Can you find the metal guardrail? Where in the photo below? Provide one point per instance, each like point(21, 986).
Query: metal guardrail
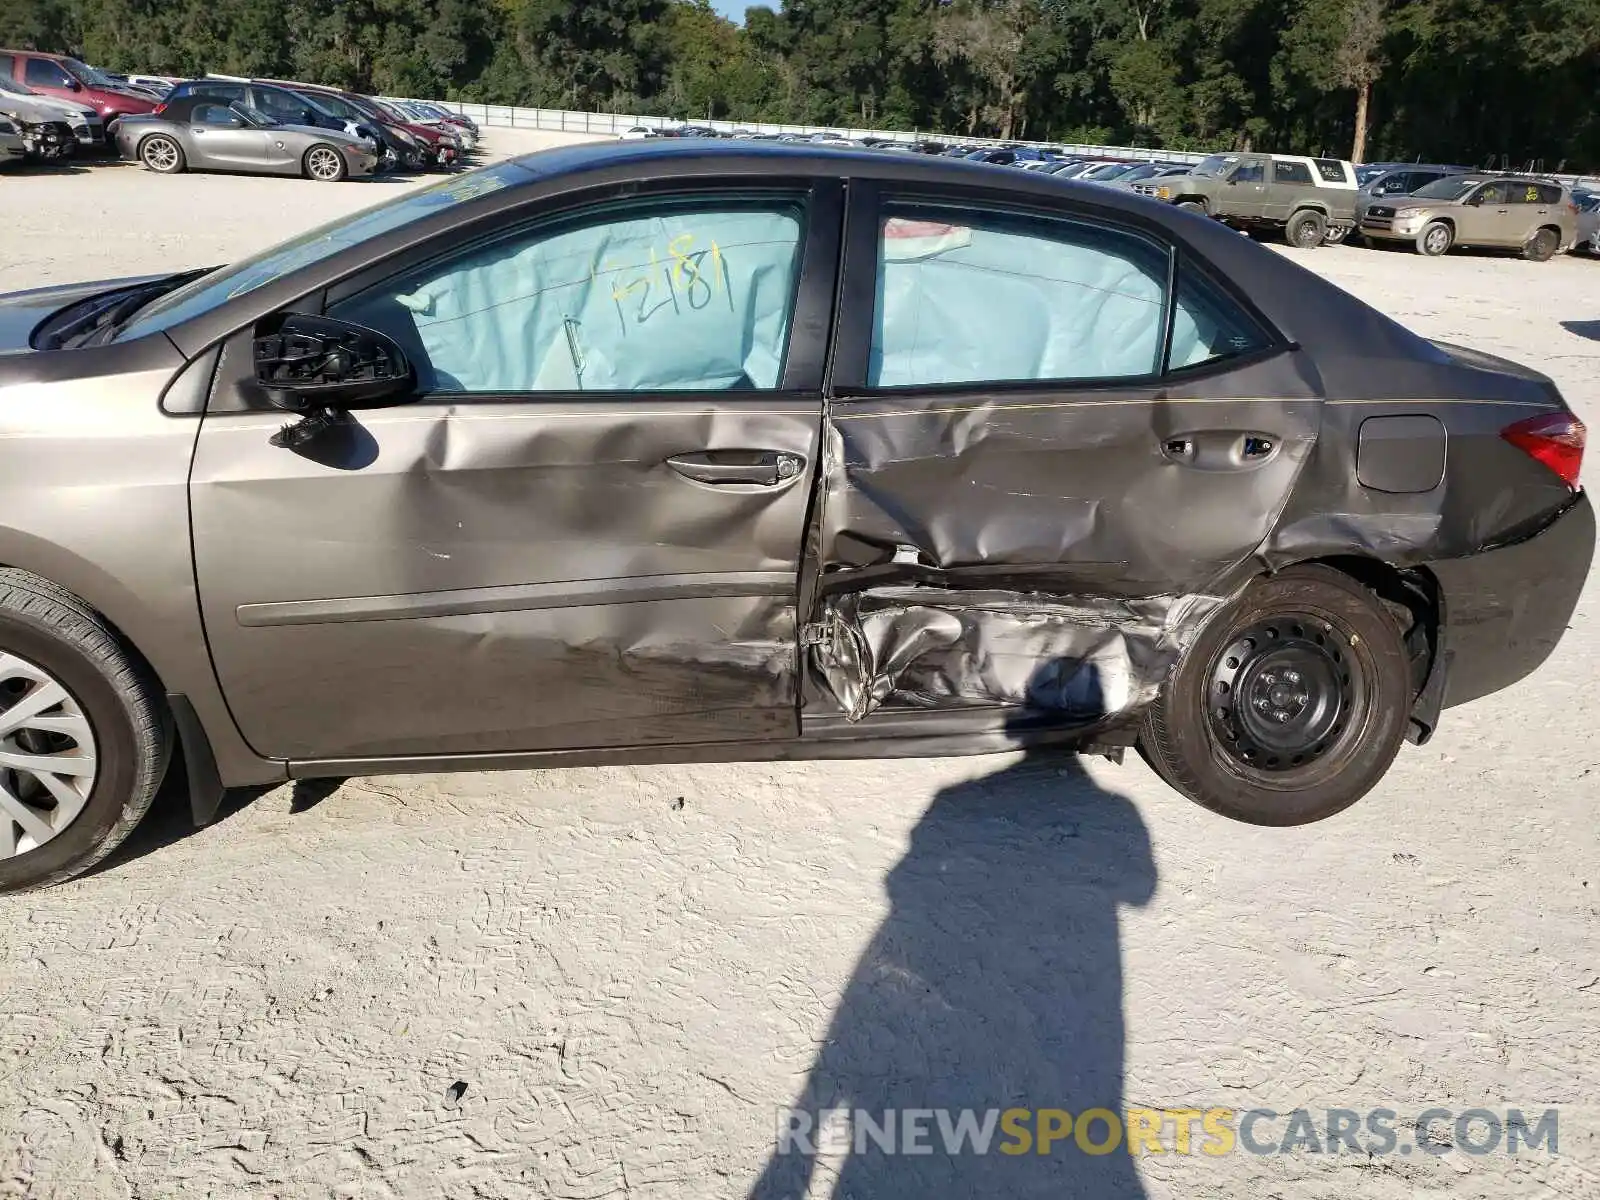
point(556, 120)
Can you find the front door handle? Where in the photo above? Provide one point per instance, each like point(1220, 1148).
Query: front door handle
point(764, 468)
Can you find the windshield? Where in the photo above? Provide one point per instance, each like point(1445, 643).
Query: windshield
point(88, 75)
point(1451, 187)
point(1216, 164)
point(252, 116)
point(1143, 171)
point(228, 283)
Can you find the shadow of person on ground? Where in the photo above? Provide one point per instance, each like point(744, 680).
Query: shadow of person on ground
point(994, 983)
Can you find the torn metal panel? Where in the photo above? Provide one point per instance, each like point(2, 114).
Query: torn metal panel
point(934, 648)
point(1045, 549)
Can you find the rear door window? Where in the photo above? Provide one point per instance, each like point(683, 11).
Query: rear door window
point(969, 297)
point(1549, 193)
point(1208, 326)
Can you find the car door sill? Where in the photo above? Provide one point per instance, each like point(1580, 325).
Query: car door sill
point(893, 735)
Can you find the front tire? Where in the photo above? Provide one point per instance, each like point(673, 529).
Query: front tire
point(1435, 239)
point(325, 164)
point(161, 154)
point(1198, 207)
point(84, 739)
point(1289, 706)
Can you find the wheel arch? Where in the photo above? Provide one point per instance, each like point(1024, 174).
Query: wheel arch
point(1414, 598)
point(134, 623)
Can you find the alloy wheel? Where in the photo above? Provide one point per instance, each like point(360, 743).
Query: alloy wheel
point(323, 163)
point(1283, 692)
point(48, 762)
point(1437, 240)
point(160, 154)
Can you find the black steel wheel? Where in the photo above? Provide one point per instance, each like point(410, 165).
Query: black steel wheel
point(1305, 229)
point(1289, 706)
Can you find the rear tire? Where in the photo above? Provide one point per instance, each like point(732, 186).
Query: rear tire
point(50, 637)
point(1435, 239)
point(1542, 246)
point(1305, 230)
point(161, 154)
point(1306, 720)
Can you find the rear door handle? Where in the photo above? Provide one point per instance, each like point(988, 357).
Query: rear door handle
point(764, 468)
point(1221, 449)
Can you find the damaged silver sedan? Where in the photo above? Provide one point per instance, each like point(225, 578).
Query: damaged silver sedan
point(667, 451)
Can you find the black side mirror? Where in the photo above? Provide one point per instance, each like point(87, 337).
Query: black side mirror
point(321, 363)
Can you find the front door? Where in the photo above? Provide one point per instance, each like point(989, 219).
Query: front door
point(222, 138)
point(1247, 190)
point(586, 531)
point(1486, 216)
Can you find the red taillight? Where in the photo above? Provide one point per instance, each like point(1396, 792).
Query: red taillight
point(159, 109)
point(1555, 439)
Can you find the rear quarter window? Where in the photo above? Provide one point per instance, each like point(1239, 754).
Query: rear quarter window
point(1332, 170)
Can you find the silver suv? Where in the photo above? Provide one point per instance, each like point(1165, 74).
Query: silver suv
point(1537, 216)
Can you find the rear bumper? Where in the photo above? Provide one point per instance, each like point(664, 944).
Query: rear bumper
point(1505, 610)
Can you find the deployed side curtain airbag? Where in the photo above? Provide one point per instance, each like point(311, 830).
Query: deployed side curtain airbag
point(690, 300)
point(1041, 300)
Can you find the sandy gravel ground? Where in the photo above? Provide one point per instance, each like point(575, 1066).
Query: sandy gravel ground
point(628, 971)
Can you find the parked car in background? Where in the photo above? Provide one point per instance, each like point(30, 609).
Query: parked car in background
point(1510, 212)
point(1148, 172)
point(1309, 201)
point(466, 138)
point(1588, 232)
point(459, 123)
point(281, 104)
point(23, 103)
point(1367, 172)
point(205, 133)
point(1397, 181)
point(411, 151)
point(68, 79)
point(1295, 531)
point(440, 146)
point(1110, 172)
point(159, 84)
point(12, 149)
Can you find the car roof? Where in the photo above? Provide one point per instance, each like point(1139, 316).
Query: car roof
point(671, 157)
